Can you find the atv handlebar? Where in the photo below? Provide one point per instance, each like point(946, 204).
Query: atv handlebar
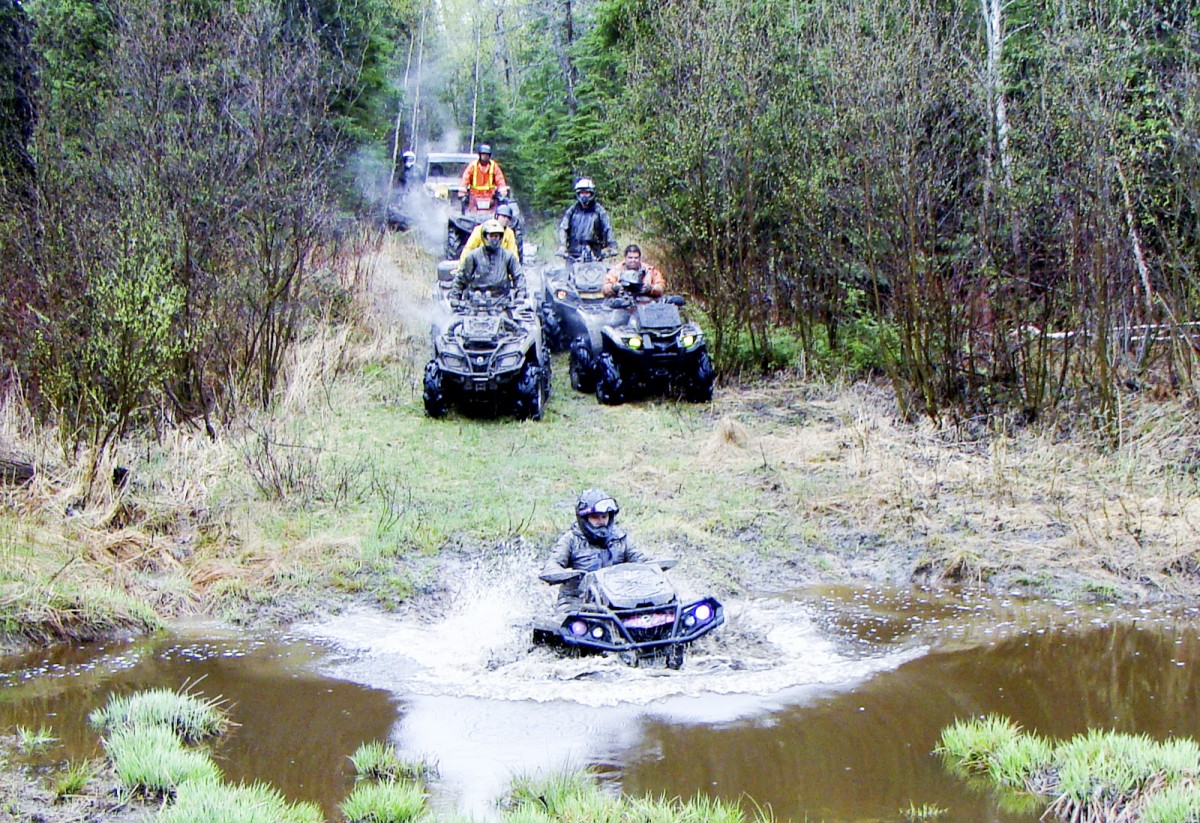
point(561, 577)
point(567, 575)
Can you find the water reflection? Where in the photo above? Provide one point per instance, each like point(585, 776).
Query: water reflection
point(866, 754)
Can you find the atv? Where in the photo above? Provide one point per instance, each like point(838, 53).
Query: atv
point(630, 609)
point(488, 355)
point(574, 310)
point(472, 210)
point(645, 346)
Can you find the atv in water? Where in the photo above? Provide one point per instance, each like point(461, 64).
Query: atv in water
point(630, 609)
point(646, 346)
point(489, 355)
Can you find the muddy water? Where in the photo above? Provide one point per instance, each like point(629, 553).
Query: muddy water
point(823, 705)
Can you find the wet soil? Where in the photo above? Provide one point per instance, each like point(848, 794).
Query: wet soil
point(27, 795)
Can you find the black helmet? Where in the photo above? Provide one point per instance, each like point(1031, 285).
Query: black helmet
point(594, 501)
point(506, 210)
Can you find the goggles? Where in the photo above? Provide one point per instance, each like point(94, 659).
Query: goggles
point(605, 506)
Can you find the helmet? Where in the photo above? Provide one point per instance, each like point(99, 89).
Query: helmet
point(493, 233)
point(595, 501)
point(484, 148)
point(506, 210)
point(409, 156)
point(585, 191)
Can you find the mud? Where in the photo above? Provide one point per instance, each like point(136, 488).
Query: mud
point(27, 795)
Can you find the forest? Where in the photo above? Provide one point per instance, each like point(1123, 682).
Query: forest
point(993, 204)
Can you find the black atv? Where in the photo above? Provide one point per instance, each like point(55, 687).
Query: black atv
point(630, 609)
point(647, 346)
point(467, 212)
point(489, 355)
point(574, 310)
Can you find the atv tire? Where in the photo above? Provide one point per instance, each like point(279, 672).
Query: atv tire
point(454, 242)
point(583, 377)
point(675, 657)
point(699, 388)
point(531, 392)
point(552, 328)
point(436, 404)
point(610, 389)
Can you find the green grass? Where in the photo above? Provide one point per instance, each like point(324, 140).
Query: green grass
point(74, 778)
point(150, 760)
point(213, 802)
point(29, 740)
point(380, 761)
point(1174, 804)
point(188, 716)
point(386, 802)
point(1088, 775)
point(575, 797)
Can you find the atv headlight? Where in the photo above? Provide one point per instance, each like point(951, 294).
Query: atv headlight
point(688, 340)
point(508, 361)
point(455, 360)
point(598, 633)
point(703, 612)
point(561, 294)
point(634, 342)
point(578, 628)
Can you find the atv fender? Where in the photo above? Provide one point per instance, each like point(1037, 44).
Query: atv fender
point(464, 224)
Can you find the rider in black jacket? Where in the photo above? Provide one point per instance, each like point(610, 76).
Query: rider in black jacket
point(585, 224)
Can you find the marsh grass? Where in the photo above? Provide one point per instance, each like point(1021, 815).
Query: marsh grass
point(72, 780)
point(213, 802)
point(384, 802)
point(150, 760)
point(188, 716)
point(377, 760)
point(1096, 776)
point(569, 796)
point(31, 740)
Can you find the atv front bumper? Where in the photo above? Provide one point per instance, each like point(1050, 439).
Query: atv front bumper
point(643, 630)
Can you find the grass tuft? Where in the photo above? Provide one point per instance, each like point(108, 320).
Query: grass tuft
point(150, 760)
point(380, 761)
point(33, 739)
point(74, 779)
point(188, 716)
point(1174, 804)
point(968, 744)
point(926, 811)
point(1094, 776)
point(212, 802)
point(388, 802)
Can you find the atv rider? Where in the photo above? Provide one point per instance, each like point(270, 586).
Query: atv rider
point(650, 281)
point(585, 224)
point(491, 268)
point(408, 172)
point(483, 177)
point(594, 542)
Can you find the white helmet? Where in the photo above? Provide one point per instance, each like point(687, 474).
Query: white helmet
point(585, 183)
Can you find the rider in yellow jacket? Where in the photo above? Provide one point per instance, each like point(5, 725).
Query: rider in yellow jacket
point(509, 241)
